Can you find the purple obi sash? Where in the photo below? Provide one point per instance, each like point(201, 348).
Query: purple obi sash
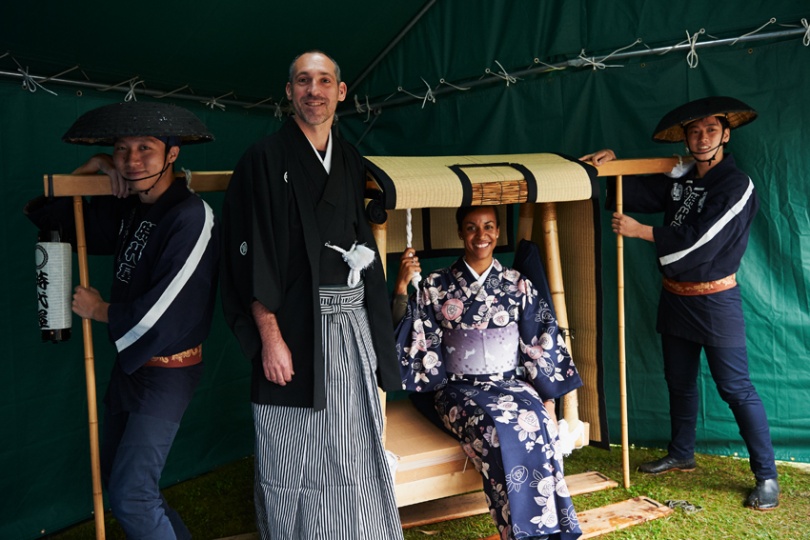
point(481, 351)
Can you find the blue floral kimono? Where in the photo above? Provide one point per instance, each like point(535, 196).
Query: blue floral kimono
point(492, 349)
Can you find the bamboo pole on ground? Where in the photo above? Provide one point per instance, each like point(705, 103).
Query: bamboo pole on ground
point(90, 373)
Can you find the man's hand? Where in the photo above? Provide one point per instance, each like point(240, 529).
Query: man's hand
point(599, 158)
point(88, 304)
point(276, 357)
point(626, 226)
point(104, 163)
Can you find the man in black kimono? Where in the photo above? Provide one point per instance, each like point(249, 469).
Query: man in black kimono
point(318, 332)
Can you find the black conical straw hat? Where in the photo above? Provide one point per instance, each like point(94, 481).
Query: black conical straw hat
point(670, 128)
point(103, 125)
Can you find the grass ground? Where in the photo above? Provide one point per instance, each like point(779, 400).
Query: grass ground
point(219, 504)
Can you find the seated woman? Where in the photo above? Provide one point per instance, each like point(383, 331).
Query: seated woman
point(479, 335)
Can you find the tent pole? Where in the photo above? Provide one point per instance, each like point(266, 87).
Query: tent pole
point(379, 102)
point(402, 33)
point(622, 366)
point(90, 373)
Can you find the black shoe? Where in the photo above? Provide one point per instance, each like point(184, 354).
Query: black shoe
point(666, 464)
point(765, 495)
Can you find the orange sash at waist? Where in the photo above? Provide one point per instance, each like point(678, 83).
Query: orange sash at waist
point(700, 288)
point(189, 357)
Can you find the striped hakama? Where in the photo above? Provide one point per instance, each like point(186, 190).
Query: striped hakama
point(324, 475)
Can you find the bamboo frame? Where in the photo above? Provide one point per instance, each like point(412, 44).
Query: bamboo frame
point(617, 169)
point(89, 373)
point(77, 186)
point(548, 213)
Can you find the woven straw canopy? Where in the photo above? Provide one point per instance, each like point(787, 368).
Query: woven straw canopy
point(102, 126)
point(670, 128)
point(453, 181)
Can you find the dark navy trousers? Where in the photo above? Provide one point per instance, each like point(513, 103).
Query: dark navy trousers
point(729, 368)
point(133, 453)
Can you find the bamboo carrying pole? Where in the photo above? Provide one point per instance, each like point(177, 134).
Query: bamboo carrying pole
point(90, 373)
point(622, 367)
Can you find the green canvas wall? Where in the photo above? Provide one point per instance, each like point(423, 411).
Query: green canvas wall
point(576, 112)
point(44, 463)
point(44, 444)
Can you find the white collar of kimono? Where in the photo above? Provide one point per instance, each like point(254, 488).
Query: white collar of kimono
point(326, 160)
point(480, 279)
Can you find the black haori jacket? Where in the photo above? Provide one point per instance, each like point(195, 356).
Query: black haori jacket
point(274, 229)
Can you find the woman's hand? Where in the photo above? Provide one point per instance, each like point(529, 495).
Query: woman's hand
point(599, 157)
point(104, 163)
point(408, 267)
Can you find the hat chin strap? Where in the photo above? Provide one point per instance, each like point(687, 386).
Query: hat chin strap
point(709, 161)
point(159, 175)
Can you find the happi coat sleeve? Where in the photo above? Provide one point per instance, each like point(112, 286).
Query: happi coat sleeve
point(164, 305)
point(706, 220)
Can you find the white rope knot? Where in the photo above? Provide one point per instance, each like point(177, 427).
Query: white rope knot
point(29, 83)
point(427, 97)
point(360, 108)
point(214, 103)
point(682, 167)
point(503, 74)
point(358, 257)
point(131, 93)
point(806, 38)
point(692, 56)
point(595, 64)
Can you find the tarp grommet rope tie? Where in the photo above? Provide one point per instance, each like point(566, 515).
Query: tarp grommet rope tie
point(692, 56)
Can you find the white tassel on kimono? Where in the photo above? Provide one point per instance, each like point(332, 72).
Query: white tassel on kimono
point(569, 437)
point(358, 257)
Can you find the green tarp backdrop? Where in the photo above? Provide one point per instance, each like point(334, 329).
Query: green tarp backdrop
point(44, 449)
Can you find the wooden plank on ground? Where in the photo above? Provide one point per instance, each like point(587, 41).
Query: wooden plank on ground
point(473, 504)
point(613, 517)
point(588, 482)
